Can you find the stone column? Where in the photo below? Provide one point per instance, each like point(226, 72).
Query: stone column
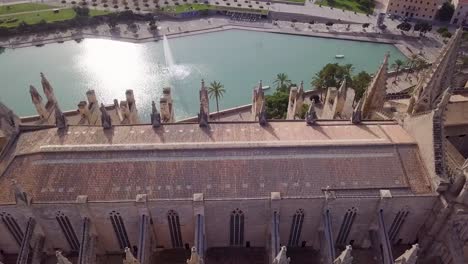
point(274, 244)
point(26, 243)
point(455, 245)
point(87, 254)
point(88, 238)
point(327, 244)
point(34, 235)
point(387, 255)
point(144, 227)
point(199, 213)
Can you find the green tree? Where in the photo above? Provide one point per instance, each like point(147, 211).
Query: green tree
point(325, 78)
point(217, 91)
point(331, 76)
point(347, 73)
point(277, 104)
point(282, 81)
point(397, 66)
point(445, 13)
point(360, 83)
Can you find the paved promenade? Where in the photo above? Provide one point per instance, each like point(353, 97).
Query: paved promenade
point(427, 47)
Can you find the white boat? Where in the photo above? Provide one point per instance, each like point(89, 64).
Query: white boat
point(339, 56)
point(265, 87)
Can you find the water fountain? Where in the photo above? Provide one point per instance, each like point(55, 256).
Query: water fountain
point(173, 70)
point(167, 53)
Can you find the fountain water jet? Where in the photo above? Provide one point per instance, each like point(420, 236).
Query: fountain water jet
point(167, 53)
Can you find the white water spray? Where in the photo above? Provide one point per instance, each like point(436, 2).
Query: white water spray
point(167, 53)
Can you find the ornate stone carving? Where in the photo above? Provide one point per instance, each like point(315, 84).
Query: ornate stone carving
point(105, 118)
point(262, 116)
point(437, 78)
point(20, 194)
point(311, 115)
point(48, 91)
point(409, 257)
point(194, 257)
point(60, 119)
point(155, 116)
point(61, 259)
point(356, 117)
point(345, 256)
point(203, 115)
point(129, 258)
point(282, 258)
point(36, 98)
point(202, 118)
point(258, 100)
point(374, 97)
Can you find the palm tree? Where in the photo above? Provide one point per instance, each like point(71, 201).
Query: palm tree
point(397, 66)
point(347, 71)
point(282, 80)
point(411, 63)
point(217, 91)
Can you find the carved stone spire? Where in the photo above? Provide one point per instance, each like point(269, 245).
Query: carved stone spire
point(356, 117)
point(340, 100)
point(48, 91)
point(262, 116)
point(438, 77)
point(106, 120)
point(132, 109)
point(60, 119)
point(194, 257)
point(166, 106)
point(129, 258)
point(311, 115)
point(20, 194)
point(281, 258)
point(345, 256)
point(258, 99)
point(61, 259)
point(36, 98)
point(155, 116)
point(93, 108)
point(374, 96)
point(203, 115)
point(9, 121)
point(409, 257)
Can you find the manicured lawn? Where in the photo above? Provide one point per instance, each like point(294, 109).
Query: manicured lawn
point(200, 7)
point(186, 8)
point(48, 16)
point(94, 12)
point(11, 9)
point(351, 5)
point(295, 1)
point(34, 18)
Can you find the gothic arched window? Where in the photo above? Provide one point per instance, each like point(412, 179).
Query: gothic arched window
point(236, 228)
point(12, 226)
point(119, 229)
point(346, 225)
point(174, 229)
point(296, 227)
point(68, 231)
point(397, 223)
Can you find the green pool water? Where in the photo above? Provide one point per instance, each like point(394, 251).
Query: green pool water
point(238, 59)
